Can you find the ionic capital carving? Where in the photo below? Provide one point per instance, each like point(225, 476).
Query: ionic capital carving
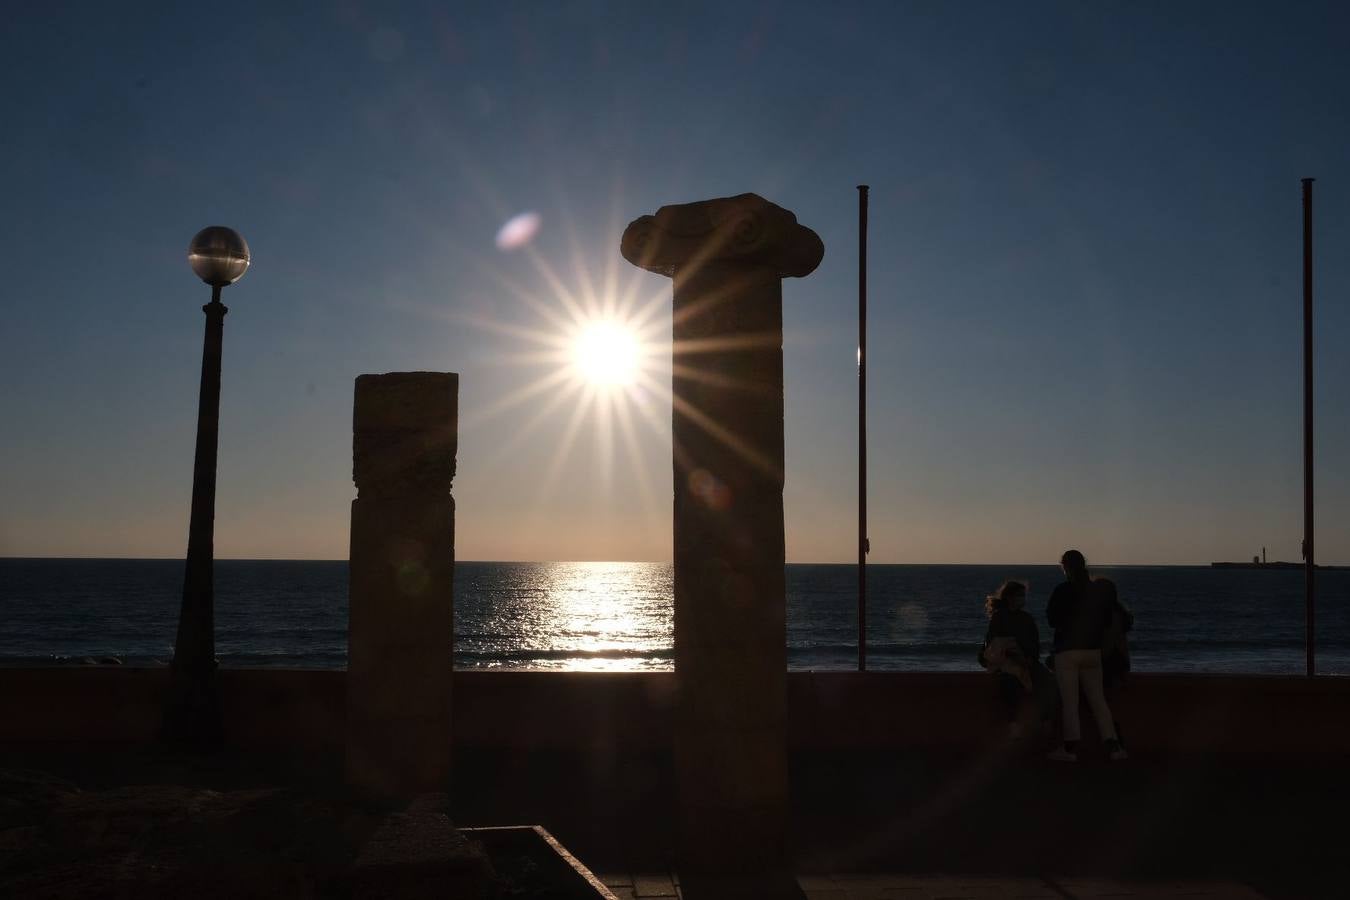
point(742, 230)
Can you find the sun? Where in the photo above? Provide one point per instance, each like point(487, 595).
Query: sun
point(606, 354)
point(599, 344)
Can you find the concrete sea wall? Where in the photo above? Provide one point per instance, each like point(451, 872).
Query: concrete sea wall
point(304, 710)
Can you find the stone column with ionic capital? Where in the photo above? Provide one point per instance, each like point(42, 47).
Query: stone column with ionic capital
point(400, 626)
point(727, 258)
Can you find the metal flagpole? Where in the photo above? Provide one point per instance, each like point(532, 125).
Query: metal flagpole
point(862, 428)
point(1308, 564)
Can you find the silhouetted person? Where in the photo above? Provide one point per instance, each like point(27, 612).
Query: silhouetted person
point(1012, 650)
point(1079, 611)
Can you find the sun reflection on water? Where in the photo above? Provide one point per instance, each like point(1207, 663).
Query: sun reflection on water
point(592, 616)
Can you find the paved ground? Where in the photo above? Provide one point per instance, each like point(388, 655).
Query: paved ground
point(641, 885)
point(879, 825)
point(996, 823)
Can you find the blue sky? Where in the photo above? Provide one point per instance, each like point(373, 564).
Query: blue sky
point(1085, 265)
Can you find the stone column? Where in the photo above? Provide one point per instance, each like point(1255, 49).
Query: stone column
point(400, 631)
point(727, 258)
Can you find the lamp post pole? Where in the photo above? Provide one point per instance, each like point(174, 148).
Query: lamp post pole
point(219, 256)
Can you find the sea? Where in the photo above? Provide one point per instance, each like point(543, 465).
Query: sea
point(608, 616)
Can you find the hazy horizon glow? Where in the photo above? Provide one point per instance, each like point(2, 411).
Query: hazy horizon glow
point(1084, 311)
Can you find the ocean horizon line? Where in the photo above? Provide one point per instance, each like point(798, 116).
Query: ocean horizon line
point(791, 562)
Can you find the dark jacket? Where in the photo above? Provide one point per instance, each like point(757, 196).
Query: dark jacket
point(1078, 612)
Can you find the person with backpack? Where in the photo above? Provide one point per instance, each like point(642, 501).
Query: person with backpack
point(1079, 611)
point(1012, 650)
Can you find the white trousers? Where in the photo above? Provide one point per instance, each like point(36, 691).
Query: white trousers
point(1083, 668)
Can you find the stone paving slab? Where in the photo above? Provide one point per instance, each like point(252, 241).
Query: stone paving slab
point(640, 886)
point(1096, 889)
point(910, 887)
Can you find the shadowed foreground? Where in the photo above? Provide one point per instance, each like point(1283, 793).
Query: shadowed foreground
point(1273, 824)
point(1270, 824)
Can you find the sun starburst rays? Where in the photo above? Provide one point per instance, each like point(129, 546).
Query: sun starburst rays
point(592, 348)
point(600, 352)
point(530, 307)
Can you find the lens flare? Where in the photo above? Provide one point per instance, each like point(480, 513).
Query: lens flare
point(518, 231)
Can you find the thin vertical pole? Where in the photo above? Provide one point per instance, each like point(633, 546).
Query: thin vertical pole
point(862, 428)
point(192, 713)
point(1309, 566)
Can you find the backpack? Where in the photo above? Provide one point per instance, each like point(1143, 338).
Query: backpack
point(1001, 654)
point(1115, 646)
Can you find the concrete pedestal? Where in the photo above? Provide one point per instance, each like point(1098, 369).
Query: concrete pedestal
point(400, 632)
point(727, 258)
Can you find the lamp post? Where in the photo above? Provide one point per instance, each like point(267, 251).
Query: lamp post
point(219, 256)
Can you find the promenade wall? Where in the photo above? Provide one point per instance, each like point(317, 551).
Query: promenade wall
point(303, 710)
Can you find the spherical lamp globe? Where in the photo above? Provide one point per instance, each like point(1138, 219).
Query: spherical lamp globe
point(218, 255)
